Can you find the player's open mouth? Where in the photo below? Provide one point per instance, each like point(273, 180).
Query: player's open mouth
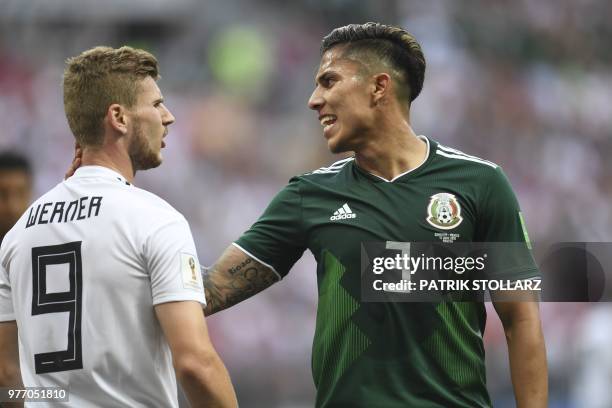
point(327, 121)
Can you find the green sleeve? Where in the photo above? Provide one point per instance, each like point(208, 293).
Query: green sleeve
point(500, 221)
point(277, 238)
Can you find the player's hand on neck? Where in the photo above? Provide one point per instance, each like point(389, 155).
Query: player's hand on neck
point(76, 161)
point(114, 152)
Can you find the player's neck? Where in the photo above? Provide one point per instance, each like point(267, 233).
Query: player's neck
point(392, 151)
point(109, 158)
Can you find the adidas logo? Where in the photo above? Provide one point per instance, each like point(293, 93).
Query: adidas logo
point(343, 213)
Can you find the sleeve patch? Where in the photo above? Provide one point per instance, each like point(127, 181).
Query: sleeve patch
point(190, 271)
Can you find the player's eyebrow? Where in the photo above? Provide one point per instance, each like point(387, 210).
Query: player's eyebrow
point(158, 100)
point(323, 75)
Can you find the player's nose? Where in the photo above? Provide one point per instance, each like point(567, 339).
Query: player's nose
point(168, 117)
point(316, 101)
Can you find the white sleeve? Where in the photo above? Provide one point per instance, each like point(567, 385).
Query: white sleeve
point(172, 263)
point(6, 300)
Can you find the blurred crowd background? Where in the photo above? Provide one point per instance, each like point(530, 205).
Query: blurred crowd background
point(526, 84)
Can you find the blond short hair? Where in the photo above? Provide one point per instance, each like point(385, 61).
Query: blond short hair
point(98, 78)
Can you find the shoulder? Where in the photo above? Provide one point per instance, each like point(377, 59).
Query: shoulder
point(483, 179)
point(327, 172)
point(151, 206)
point(319, 180)
point(335, 167)
point(451, 156)
point(467, 168)
point(148, 218)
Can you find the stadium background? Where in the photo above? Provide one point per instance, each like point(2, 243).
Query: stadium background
point(527, 84)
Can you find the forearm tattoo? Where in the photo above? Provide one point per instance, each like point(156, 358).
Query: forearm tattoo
point(225, 286)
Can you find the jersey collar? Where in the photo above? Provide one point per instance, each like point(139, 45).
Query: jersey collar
point(100, 171)
point(430, 147)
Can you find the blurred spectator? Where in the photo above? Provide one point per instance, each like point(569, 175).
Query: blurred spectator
point(15, 189)
point(592, 357)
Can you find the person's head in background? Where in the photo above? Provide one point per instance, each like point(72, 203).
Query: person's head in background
point(15, 189)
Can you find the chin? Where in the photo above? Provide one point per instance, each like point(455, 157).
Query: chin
point(342, 142)
point(156, 162)
point(336, 147)
point(148, 162)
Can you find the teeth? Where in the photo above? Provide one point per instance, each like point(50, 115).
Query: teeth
point(327, 120)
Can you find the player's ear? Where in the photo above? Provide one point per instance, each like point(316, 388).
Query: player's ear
point(380, 86)
point(117, 118)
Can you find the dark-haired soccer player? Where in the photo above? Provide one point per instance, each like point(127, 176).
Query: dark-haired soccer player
point(15, 189)
point(387, 354)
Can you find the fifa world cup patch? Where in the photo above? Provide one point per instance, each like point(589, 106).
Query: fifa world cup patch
point(444, 211)
point(190, 270)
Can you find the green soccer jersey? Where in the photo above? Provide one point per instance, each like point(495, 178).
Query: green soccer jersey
point(391, 354)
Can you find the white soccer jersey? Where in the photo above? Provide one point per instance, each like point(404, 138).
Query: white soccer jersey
point(81, 272)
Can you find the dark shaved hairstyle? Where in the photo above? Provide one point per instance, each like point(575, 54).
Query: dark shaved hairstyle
point(13, 161)
point(373, 43)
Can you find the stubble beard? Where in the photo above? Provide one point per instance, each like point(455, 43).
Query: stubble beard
point(141, 154)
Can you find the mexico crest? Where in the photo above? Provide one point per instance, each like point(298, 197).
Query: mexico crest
point(444, 211)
